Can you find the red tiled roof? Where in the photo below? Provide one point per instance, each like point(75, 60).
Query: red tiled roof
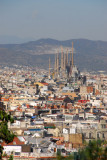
point(15, 141)
point(59, 99)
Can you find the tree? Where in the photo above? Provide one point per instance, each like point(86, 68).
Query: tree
point(11, 157)
point(60, 157)
point(104, 157)
point(93, 151)
point(5, 134)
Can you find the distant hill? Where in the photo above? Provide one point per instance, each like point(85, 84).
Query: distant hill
point(88, 54)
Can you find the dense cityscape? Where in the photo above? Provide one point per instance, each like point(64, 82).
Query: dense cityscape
point(53, 80)
point(55, 110)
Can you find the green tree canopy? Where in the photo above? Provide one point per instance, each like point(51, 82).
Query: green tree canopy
point(95, 150)
point(5, 134)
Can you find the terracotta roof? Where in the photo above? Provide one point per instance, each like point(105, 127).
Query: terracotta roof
point(15, 141)
point(73, 94)
point(46, 84)
point(59, 98)
point(60, 140)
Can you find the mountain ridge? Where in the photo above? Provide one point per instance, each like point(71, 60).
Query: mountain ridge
point(89, 54)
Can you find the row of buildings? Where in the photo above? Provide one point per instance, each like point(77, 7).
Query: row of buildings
point(52, 114)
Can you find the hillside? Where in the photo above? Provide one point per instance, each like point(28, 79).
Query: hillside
point(90, 55)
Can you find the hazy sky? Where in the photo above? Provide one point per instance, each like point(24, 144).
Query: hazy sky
point(59, 19)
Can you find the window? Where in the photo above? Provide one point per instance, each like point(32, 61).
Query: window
point(103, 126)
point(89, 141)
point(103, 135)
point(84, 134)
point(89, 135)
point(98, 136)
point(17, 153)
